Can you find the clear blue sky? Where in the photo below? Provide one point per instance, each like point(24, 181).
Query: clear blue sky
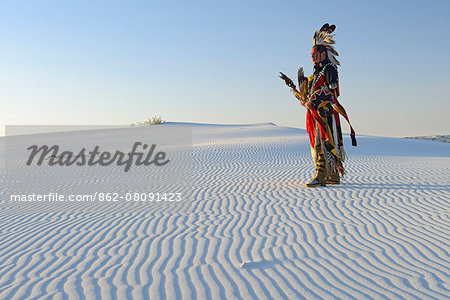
point(117, 62)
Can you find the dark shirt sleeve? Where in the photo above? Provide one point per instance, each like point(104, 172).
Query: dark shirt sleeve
point(331, 76)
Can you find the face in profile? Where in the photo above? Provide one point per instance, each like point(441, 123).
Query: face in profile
point(316, 56)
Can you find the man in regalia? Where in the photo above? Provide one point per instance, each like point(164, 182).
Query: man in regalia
point(318, 93)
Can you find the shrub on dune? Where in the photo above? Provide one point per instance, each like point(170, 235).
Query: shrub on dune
point(150, 121)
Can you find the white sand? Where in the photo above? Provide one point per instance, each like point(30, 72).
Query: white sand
point(251, 230)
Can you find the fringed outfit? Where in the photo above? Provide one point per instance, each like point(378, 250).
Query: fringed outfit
point(323, 124)
point(319, 93)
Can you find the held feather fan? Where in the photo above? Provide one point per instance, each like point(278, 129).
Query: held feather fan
point(304, 85)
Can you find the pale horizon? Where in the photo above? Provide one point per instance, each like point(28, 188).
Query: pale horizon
point(87, 63)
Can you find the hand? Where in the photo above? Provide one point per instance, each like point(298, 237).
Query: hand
point(298, 96)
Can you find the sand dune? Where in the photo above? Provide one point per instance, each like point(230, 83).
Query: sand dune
point(248, 230)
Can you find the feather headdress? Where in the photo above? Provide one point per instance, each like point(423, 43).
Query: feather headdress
point(325, 38)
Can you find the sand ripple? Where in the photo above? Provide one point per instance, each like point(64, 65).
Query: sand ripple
point(251, 230)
